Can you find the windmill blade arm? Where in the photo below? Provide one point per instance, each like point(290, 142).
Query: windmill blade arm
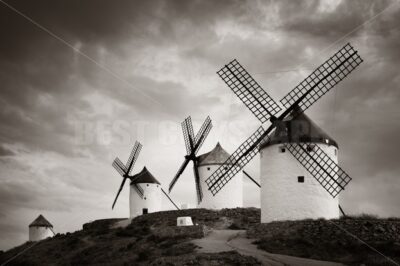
point(249, 91)
point(119, 191)
point(235, 162)
point(170, 199)
point(138, 189)
point(178, 174)
point(134, 155)
point(119, 166)
point(203, 133)
point(324, 78)
point(252, 179)
point(199, 190)
point(331, 177)
point(188, 134)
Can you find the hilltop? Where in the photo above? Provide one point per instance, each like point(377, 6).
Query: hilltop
point(154, 239)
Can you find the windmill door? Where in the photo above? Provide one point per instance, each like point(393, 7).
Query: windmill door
point(145, 211)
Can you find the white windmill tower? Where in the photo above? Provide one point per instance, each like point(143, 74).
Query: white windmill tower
point(207, 164)
point(289, 191)
point(145, 190)
point(315, 152)
point(145, 194)
point(40, 229)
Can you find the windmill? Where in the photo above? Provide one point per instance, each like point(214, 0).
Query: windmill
point(145, 193)
point(125, 170)
point(317, 163)
point(193, 145)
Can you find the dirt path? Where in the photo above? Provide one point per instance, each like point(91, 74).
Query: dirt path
point(227, 240)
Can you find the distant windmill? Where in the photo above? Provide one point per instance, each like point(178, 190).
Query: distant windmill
point(125, 170)
point(193, 145)
point(145, 192)
point(318, 164)
point(40, 229)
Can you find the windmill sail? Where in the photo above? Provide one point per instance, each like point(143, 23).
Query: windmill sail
point(138, 189)
point(202, 134)
point(235, 162)
point(133, 156)
point(324, 78)
point(188, 134)
point(119, 166)
point(252, 179)
point(178, 174)
point(119, 191)
point(321, 167)
point(249, 91)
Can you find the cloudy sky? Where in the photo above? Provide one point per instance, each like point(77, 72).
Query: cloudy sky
point(80, 81)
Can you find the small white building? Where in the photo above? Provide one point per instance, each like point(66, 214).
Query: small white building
point(151, 201)
point(288, 190)
point(231, 196)
point(184, 221)
point(40, 229)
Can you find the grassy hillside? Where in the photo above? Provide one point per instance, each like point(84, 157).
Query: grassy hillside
point(153, 239)
point(327, 240)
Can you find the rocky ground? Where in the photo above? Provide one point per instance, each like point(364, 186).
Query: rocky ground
point(154, 239)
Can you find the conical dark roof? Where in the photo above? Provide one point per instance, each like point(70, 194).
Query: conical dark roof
point(216, 156)
point(298, 127)
point(41, 221)
point(144, 177)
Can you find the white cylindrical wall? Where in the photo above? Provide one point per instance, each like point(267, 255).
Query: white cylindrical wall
point(37, 233)
point(230, 196)
point(283, 197)
point(151, 199)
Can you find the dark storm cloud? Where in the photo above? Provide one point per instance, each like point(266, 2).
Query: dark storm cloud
point(36, 67)
point(330, 23)
point(5, 152)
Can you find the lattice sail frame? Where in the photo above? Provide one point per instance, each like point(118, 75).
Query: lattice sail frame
point(188, 134)
point(119, 166)
point(324, 78)
point(202, 134)
point(331, 177)
point(139, 190)
point(249, 91)
point(133, 156)
point(235, 162)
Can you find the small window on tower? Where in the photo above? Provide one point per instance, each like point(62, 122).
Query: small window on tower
point(282, 149)
point(147, 184)
point(335, 152)
point(300, 179)
point(208, 168)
